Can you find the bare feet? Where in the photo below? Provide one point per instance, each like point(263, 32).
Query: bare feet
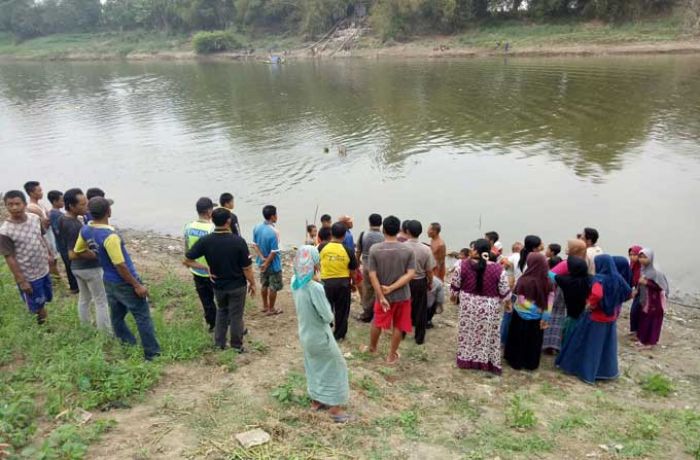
point(393, 358)
point(368, 349)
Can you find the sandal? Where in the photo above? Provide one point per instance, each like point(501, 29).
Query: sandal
point(392, 362)
point(342, 418)
point(273, 312)
point(318, 407)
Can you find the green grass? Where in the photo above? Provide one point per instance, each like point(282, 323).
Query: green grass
point(518, 415)
point(63, 366)
point(657, 384)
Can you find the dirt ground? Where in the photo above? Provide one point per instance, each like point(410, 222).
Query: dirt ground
point(423, 408)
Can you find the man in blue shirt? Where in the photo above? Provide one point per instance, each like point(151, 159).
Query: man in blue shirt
point(349, 241)
point(266, 245)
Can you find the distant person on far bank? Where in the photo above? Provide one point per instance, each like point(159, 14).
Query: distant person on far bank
point(364, 243)
point(226, 201)
point(439, 249)
point(231, 269)
point(125, 290)
point(27, 254)
point(590, 237)
point(266, 240)
point(202, 281)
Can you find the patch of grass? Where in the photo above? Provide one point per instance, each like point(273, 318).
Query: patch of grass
point(519, 416)
point(69, 441)
point(408, 420)
point(227, 358)
point(550, 390)
point(259, 346)
point(572, 421)
point(657, 384)
point(491, 440)
point(644, 427)
point(292, 391)
point(685, 427)
point(370, 387)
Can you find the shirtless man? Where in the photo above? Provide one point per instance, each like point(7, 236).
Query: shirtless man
point(437, 245)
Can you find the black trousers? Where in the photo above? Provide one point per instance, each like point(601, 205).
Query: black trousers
point(419, 308)
point(205, 291)
point(229, 317)
point(72, 282)
point(524, 344)
point(339, 295)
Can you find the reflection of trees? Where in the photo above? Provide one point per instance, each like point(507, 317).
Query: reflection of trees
point(586, 113)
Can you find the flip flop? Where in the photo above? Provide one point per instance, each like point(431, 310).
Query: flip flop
point(342, 418)
point(273, 312)
point(395, 361)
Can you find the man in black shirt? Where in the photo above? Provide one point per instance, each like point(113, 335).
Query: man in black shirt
point(226, 201)
point(231, 269)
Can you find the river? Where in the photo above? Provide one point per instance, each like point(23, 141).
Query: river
point(528, 145)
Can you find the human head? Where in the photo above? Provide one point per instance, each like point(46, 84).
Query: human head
point(633, 253)
point(533, 243)
point(347, 220)
point(517, 247)
point(92, 192)
point(481, 253)
point(55, 198)
point(99, 208)
point(414, 228)
point(553, 250)
point(204, 207)
point(221, 217)
point(226, 200)
point(270, 213)
point(646, 257)
point(75, 201)
point(311, 230)
point(404, 226)
point(434, 230)
point(391, 225)
point(590, 236)
point(33, 189)
point(15, 202)
point(305, 266)
point(375, 220)
point(324, 234)
point(464, 253)
point(576, 248)
point(326, 220)
point(492, 237)
point(338, 230)
point(481, 246)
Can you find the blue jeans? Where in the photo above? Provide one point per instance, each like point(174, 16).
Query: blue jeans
point(122, 300)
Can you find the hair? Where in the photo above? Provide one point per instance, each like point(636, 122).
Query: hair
point(531, 242)
point(269, 212)
point(591, 234)
point(324, 234)
point(404, 225)
point(436, 227)
point(375, 220)
point(92, 192)
point(338, 230)
point(482, 247)
point(220, 216)
point(225, 198)
point(414, 228)
point(555, 248)
point(554, 261)
point(54, 195)
point(326, 218)
point(391, 225)
point(70, 198)
point(30, 186)
point(100, 208)
point(203, 205)
point(515, 245)
point(491, 236)
point(310, 227)
point(465, 251)
point(10, 194)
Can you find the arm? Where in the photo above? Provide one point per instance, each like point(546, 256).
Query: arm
point(81, 250)
point(378, 290)
point(194, 264)
point(114, 251)
point(595, 296)
point(22, 282)
point(48, 249)
point(250, 277)
point(401, 282)
point(441, 253)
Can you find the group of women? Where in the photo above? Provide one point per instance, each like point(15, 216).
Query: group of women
point(562, 307)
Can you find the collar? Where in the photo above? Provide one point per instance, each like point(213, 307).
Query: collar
point(375, 229)
point(93, 224)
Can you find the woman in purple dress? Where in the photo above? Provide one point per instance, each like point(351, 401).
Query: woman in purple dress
point(653, 292)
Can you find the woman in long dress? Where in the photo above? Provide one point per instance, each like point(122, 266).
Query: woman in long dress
point(531, 314)
point(654, 290)
point(481, 286)
point(575, 287)
point(591, 351)
point(326, 370)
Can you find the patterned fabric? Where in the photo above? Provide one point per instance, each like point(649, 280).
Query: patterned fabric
point(29, 249)
point(479, 340)
point(553, 334)
point(305, 262)
point(464, 279)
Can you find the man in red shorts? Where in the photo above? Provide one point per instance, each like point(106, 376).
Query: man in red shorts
point(392, 266)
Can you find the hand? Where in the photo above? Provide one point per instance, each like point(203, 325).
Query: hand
point(385, 304)
point(251, 289)
point(264, 266)
point(544, 325)
point(52, 259)
point(386, 290)
point(645, 309)
point(508, 306)
point(141, 291)
point(643, 281)
point(26, 287)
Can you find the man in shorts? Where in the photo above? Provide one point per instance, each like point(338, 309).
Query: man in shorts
point(27, 254)
point(392, 266)
point(35, 206)
point(266, 245)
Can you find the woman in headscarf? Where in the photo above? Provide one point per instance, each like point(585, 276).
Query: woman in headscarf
point(636, 269)
point(554, 334)
point(481, 286)
point(653, 292)
point(531, 314)
point(575, 287)
point(326, 370)
point(591, 351)
point(517, 266)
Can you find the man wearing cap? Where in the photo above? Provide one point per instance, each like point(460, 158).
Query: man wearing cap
point(125, 292)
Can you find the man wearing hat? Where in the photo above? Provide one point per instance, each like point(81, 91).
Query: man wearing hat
point(125, 292)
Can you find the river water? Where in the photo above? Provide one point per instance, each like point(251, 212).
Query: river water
point(520, 146)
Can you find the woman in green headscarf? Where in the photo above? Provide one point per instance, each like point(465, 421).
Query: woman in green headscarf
point(326, 370)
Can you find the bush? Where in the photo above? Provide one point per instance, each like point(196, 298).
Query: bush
point(214, 42)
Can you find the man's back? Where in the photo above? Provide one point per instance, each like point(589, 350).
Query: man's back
point(391, 260)
point(266, 238)
point(227, 256)
point(193, 232)
point(367, 240)
point(336, 261)
point(425, 262)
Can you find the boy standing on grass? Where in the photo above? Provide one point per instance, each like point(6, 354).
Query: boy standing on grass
point(125, 291)
point(203, 284)
point(230, 266)
point(392, 265)
point(36, 194)
point(27, 254)
point(55, 214)
point(226, 201)
point(266, 245)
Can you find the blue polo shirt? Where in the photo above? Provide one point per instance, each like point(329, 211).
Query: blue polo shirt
point(265, 238)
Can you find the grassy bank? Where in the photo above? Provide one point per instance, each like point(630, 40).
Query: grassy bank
point(544, 38)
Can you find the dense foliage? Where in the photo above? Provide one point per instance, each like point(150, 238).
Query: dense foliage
point(312, 18)
point(214, 41)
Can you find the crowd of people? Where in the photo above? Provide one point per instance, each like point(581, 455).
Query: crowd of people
point(513, 307)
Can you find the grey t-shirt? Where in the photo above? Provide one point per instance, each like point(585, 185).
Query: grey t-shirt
point(391, 260)
point(69, 229)
point(425, 262)
point(367, 240)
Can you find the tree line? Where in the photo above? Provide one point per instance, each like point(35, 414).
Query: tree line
point(310, 18)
